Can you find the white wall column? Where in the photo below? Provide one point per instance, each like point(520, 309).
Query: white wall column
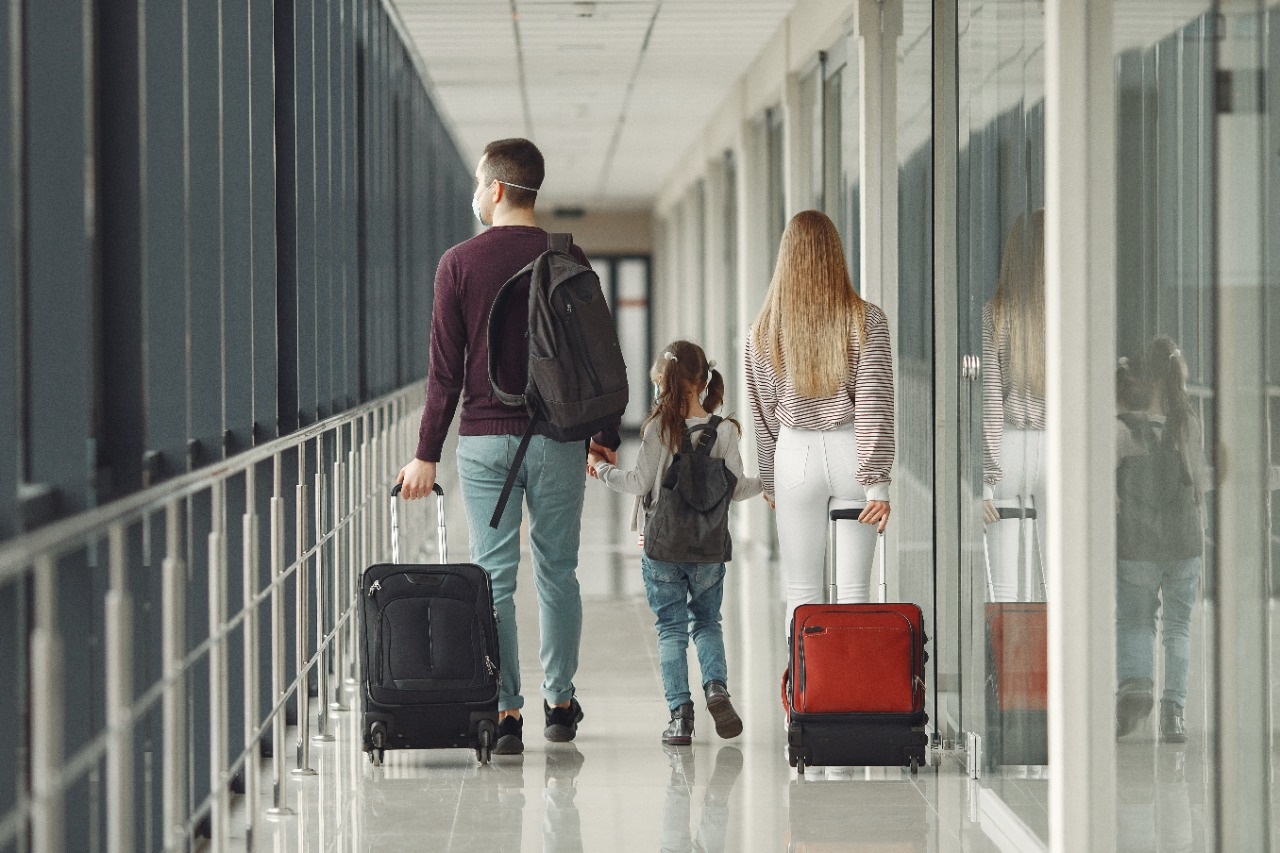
point(1240, 721)
point(1080, 233)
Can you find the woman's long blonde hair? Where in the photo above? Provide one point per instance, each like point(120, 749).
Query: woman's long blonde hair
point(811, 309)
point(1017, 311)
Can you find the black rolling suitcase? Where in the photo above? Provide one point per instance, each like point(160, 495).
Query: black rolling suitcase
point(428, 653)
point(854, 691)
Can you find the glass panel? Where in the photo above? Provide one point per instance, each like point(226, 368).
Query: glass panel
point(1271, 373)
point(1165, 419)
point(1002, 706)
point(913, 517)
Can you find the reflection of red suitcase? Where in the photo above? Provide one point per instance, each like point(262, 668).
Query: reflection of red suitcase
point(854, 691)
point(1017, 634)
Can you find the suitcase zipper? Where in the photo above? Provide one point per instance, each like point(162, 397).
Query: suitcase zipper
point(374, 587)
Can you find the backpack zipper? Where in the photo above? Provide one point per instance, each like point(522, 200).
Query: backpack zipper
point(581, 353)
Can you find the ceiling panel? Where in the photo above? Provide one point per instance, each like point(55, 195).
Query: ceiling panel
point(616, 90)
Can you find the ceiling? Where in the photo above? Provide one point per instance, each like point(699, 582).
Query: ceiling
point(614, 92)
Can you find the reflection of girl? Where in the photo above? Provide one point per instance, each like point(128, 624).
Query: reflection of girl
point(820, 378)
point(1013, 395)
point(1160, 478)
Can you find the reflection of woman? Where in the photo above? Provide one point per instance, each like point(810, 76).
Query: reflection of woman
point(820, 379)
point(1013, 395)
point(1160, 478)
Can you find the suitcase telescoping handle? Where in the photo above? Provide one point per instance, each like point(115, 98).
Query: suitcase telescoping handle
point(395, 524)
point(851, 514)
point(1023, 511)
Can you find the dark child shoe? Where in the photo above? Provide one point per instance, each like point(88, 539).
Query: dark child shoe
point(679, 731)
point(510, 736)
point(1173, 727)
point(562, 723)
point(1133, 704)
point(728, 723)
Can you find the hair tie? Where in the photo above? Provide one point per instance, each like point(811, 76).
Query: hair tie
point(669, 356)
point(1124, 362)
point(1177, 353)
point(711, 365)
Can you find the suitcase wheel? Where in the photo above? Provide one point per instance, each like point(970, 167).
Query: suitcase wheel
point(378, 736)
point(915, 765)
point(485, 750)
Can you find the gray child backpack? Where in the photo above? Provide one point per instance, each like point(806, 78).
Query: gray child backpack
point(690, 522)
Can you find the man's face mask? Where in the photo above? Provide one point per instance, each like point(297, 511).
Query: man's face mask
point(475, 204)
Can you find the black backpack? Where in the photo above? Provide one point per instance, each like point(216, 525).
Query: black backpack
point(1157, 509)
point(577, 381)
point(690, 523)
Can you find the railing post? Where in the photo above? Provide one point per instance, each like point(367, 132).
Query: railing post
point(119, 631)
point(343, 491)
point(218, 723)
point(302, 622)
point(278, 809)
point(252, 577)
point(47, 698)
point(322, 734)
point(173, 644)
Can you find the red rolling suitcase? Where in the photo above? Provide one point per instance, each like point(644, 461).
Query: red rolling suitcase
point(428, 653)
point(1017, 641)
point(854, 690)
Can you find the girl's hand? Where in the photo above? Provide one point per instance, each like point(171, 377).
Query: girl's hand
point(876, 512)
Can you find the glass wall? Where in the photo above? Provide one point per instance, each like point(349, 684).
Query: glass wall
point(1165, 420)
point(1001, 706)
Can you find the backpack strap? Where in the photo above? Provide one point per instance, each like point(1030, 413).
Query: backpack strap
point(560, 241)
point(705, 440)
point(510, 482)
point(496, 312)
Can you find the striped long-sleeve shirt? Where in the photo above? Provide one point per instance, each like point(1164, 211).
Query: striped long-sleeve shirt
point(1002, 404)
point(866, 399)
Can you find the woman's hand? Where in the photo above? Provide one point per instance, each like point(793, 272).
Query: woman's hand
point(875, 512)
point(989, 512)
point(768, 498)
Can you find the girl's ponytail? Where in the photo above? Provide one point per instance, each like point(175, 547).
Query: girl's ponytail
point(715, 390)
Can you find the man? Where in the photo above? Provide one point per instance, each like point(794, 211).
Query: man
point(551, 478)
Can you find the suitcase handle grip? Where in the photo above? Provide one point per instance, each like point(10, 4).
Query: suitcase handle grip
point(443, 537)
point(396, 489)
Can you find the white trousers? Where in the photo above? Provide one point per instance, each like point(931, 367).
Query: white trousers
point(813, 472)
point(1015, 568)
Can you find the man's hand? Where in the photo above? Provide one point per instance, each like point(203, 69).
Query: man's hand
point(875, 512)
point(610, 456)
point(417, 479)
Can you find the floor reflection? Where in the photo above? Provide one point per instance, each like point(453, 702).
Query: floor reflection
point(713, 820)
point(838, 807)
point(1161, 799)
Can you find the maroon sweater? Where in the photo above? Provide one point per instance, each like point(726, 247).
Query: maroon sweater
point(467, 281)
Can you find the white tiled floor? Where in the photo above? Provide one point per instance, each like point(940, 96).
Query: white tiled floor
point(617, 789)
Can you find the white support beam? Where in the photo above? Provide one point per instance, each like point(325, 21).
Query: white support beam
point(1080, 234)
point(1241, 688)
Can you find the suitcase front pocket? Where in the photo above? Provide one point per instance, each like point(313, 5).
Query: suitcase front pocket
point(867, 665)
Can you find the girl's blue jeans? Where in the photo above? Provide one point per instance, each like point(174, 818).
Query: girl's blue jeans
point(685, 598)
point(1144, 589)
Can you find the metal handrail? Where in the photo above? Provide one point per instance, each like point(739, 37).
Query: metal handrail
point(345, 533)
point(59, 537)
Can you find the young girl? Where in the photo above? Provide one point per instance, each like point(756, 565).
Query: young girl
point(1161, 478)
point(685, 597)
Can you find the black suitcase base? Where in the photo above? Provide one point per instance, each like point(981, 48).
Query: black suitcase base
point(430, 727)
point(880, 740)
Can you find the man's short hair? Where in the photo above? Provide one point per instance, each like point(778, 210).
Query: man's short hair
point(515, 161)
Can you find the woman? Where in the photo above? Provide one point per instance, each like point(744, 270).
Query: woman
point(820, 379)
point(1013, 376)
